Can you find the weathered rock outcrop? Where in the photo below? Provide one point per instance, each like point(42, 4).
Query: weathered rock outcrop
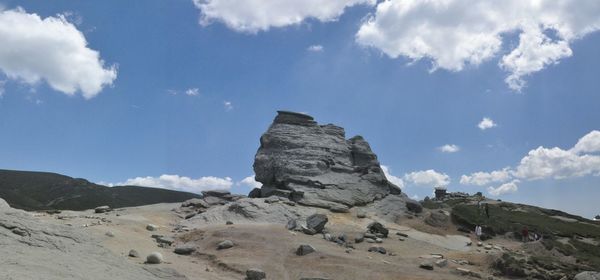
point(32, 249)
point(316, 165)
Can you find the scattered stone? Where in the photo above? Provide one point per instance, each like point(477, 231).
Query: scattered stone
point(426, 265)
point(255, 274)
point(229, 223)
point(289, 202)
point(469, 243)
point(308, 231)
point(304, 250)
point(402, 234)
point(133, 253)
point(102, 209)
point(466, 272)
point(376, 227)
point(226, 244)
point(369, 240)
point(401, 238)
point(339, 209)
point(110, 234)
point(378, 240)
point(154, 258)
point(316, 222)
point(441, 263)
point(165, 240)
point(587, 275)
point(380, 250)
point(291, 224)
point(184, 249)
point(361, 214)
point(359, 239)
point(151, 227)
point(414, 206)
point(479, 244)
point(370, 235)
point(488, 247)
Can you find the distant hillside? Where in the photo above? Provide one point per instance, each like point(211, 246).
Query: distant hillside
point(43, 191)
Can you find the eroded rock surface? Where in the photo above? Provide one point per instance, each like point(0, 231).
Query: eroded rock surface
point(316, 165)
point(32, 249)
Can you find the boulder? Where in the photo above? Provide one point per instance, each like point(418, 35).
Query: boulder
point(151, 227)
point(361, 214)
point(304, 250)
point(426, 265)
point(587, 275)
point(255, 274)
point(380, 250)
point(102, 209)
point(133, 253)
point(226, 244)
point(216, 193)
point(377, 228)
point(196, 203)
point(291, 224)
point(154, 258)
point(316, 222)
point(437, 219)
point(316, 165)
point(414, 206)
point(184, 249)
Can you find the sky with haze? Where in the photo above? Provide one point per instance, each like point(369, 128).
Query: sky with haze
point(501, 97)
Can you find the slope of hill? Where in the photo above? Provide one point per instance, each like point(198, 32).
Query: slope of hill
point(43, 191)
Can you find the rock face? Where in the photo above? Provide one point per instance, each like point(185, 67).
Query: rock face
point(316, 165)
point(56, 252)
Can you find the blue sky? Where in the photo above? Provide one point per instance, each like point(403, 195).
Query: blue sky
point(185, 89)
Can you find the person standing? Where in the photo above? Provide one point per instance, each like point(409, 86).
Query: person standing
point(525, 234)
point(478, 232)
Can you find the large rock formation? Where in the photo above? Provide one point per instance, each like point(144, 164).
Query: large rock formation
point(316, 165)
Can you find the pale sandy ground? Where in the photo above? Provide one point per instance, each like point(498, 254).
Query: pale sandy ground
point(272, 247)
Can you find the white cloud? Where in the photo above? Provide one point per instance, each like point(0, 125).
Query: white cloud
point(228, 106)
point(556, 163)
point(590, 143)
point(548, 163)
point(180, 183)
point(395, 180)
point(449, 148)
point(504, 188)
point(486, 123)
point(428, 178)
point(53, 50)
point(315, 48)
point(250, 181)
point(485, 178)
point(252, 16)
point(192, 91)
point(455, 33)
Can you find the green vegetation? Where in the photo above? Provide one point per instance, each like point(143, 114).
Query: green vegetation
point(508, 217)
point(44, 191)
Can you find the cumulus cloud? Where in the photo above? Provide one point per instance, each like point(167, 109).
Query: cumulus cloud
point(428, 178)
point(456, 33)
point(485, 178)
point(315, 48)
point(449, 148)
point(53, 50)
point(486, 123)
point(251, 16)
point(547, 163)
point(251, 182)
point(394, 179)
point(180, 183)
point(590, 143)
point(504, 188)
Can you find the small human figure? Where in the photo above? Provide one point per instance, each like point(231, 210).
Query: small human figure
point(525, 234)
point(487, 210)
point(478, 232)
